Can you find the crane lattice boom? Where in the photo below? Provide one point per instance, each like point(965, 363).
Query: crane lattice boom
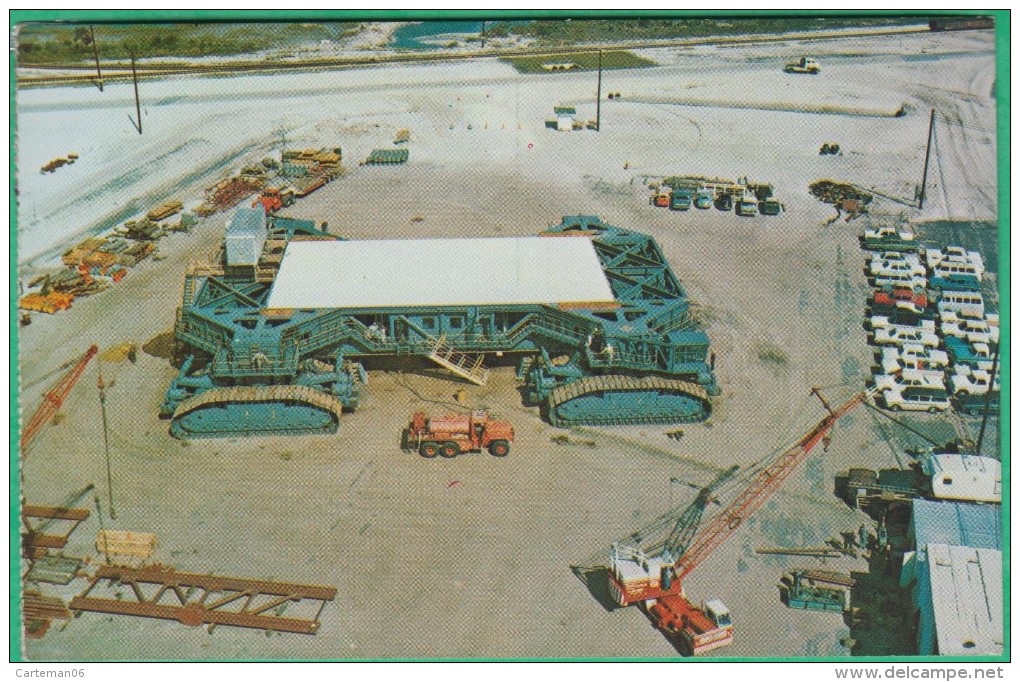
point(762, 486)
point(54, 398)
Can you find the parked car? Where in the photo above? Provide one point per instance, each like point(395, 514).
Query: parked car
point(897, 335)
point(905, 314)
point(901, 280)
point(969, 303)
point(883, 266)
point(974, 330)
point(910, 377)
point(962, 353)
point(913, 356)
point(973, 382)
point(976, 404)
point(954, 254)
point(923, 398)
point(955, 282)
point(890, 296)
point(888, 238)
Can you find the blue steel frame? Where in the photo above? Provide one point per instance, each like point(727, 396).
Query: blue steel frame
point(228, 337)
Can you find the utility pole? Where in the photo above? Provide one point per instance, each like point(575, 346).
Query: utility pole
point(988, 398)
point(106, 442)
point(138, 112)
point(927, 157)
point(283, 151)
point(483, 35)
point(598, 98)
point(95, 53)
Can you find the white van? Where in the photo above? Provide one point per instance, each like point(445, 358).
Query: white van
point(905, 280)
point(965, 303)
point(949, 268)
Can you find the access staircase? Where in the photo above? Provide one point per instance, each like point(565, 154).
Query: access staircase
point(461, 364)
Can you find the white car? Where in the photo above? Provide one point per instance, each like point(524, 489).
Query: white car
point(974, 331)
point(895, 257)
point(946, 316)
point(889, 233)
point(913, 356)
point(898, 335)
point(910, 377)
point(954, 254)
point(881, 267)
point(924, 398)
point(974, 382)
point(907, 315)
point(901, 280)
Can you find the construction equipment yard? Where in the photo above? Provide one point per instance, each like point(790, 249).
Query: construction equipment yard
point(474, 556)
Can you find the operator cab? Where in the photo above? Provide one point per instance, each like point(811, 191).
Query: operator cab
point(718, 612)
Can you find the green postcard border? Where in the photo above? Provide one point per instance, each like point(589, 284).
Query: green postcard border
point(1002, 80)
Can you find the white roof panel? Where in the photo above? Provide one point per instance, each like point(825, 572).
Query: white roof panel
point(439, 272)
point(965, 477)
point(966, 592)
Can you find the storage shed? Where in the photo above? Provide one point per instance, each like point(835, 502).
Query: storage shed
point(955, 578)
point(564, 117)
point(958, 596)
point(246, 235)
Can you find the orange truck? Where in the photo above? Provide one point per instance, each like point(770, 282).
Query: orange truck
point(273, 199)
point(456, 433)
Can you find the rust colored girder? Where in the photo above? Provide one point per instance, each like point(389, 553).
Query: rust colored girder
point(35, 538)
point(61, 513)
point(196, 599)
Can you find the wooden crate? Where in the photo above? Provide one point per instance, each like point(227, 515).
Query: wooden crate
point(119, 544)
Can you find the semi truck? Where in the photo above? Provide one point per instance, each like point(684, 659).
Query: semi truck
point(957, 476)
point(456, 433)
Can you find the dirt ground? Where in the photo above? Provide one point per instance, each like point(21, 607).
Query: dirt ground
point(471, 557)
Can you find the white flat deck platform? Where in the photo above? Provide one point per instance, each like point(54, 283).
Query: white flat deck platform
point(440, 272)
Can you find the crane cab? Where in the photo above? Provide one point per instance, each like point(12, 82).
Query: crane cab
point(718, 612)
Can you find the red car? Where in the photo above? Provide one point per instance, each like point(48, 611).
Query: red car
point(890, 297)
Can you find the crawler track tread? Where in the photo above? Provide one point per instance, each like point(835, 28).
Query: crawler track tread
point(623, 384)
point(254, 394)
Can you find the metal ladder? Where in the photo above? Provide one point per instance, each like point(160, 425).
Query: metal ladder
point(459, 363)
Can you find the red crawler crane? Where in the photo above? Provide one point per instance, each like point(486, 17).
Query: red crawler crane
point(54, 398)
point(654, 576)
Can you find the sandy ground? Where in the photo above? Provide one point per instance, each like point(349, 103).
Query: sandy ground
point(471, 557)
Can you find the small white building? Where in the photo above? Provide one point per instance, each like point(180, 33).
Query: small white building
point(246, 235)
point(955, 578)
point(959, 600)
point(565, 117)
